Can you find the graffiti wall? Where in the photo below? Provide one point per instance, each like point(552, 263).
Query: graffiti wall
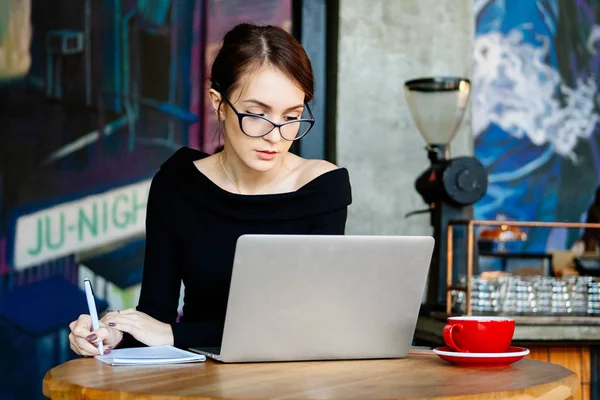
point(535, 112)
point(94, 95)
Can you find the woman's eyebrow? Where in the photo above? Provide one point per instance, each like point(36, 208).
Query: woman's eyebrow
point(260, 103)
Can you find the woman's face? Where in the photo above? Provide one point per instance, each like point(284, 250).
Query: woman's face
point(270, 94)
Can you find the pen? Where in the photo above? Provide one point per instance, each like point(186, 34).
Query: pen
point(89, 295)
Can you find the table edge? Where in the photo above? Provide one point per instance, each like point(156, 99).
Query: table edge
point(571, 381)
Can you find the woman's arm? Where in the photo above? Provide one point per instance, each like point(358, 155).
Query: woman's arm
point(153, 322)
point(161, 279)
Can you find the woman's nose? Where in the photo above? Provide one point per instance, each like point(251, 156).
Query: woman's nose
point(274, 136)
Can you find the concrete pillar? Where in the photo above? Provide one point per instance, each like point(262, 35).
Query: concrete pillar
point(383, 43)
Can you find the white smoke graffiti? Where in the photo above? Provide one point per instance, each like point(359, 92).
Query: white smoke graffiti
point(515, 88)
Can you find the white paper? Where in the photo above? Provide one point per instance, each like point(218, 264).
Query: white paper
point(154, 355)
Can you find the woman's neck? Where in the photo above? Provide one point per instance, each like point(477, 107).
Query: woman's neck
point(247, 180)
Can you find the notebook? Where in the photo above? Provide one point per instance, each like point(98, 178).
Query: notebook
point(155, 355)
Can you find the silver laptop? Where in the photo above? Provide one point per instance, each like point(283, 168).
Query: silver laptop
point(307, 297)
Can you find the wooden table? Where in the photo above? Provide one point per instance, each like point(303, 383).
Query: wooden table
point(420, 375)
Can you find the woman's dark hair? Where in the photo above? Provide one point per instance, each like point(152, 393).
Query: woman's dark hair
point(247, 47)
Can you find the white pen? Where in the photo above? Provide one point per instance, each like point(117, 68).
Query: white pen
point(89, 295)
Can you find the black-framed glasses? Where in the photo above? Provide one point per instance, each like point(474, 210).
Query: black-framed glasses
point(257, 126)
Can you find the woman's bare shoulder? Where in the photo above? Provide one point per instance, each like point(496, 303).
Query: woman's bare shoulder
point(308, 170)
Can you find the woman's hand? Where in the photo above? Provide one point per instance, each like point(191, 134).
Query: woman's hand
point(141, 326)
point(85, 342)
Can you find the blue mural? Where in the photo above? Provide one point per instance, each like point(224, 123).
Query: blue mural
point(536, 111)
point(94, 96)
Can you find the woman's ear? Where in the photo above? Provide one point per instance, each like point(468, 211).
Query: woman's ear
point(216, 101)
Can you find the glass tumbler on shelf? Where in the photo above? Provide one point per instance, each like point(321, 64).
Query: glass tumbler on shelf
point(561, 303)
point(593, 299)
point(485, 296)
point(578, 295)
point(543, 296)
point(518, 296)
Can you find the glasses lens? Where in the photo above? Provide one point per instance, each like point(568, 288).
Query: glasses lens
point(295, 130)
point(254, 126)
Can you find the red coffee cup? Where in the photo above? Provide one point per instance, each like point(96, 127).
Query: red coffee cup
point(479, 334)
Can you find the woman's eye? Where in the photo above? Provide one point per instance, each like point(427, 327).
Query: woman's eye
point(289, 118)
point(255, 113)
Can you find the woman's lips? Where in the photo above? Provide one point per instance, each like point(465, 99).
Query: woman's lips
point(266, 154)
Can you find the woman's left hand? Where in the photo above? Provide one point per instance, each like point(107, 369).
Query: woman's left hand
point(141, 326)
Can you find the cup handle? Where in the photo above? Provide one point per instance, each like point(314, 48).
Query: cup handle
point(448, 329)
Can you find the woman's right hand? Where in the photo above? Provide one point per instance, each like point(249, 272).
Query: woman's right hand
point(85, 342)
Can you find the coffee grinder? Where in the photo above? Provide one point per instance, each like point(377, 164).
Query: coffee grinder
point(450, 186)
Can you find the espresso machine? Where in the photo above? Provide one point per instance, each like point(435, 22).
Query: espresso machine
point(450, 186)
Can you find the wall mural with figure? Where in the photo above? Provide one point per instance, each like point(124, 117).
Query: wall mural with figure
point(536, 111)
point(94, 95)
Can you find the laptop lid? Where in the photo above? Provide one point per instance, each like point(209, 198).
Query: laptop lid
point(311, 297)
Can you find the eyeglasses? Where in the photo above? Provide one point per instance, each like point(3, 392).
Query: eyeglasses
point(258, 126)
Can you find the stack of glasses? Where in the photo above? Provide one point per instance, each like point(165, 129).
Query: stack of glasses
point(531, 295)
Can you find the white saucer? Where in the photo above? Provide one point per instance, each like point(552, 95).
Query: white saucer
point(512, 352)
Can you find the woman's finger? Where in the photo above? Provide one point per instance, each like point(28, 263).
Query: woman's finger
point(81, 346)
point(75, 349)
point(86, 347)
point(82, 333)
point(127, 319)
point(128, 311)
point(84, 320)
point(108, 336)
point(101, 334)
point(127, 327)
point(82, 327)
point(73, 344)
point(79, 351)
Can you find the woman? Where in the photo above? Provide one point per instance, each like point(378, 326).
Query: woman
point(198, 206)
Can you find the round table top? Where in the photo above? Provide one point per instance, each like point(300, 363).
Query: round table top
point(418, 376)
